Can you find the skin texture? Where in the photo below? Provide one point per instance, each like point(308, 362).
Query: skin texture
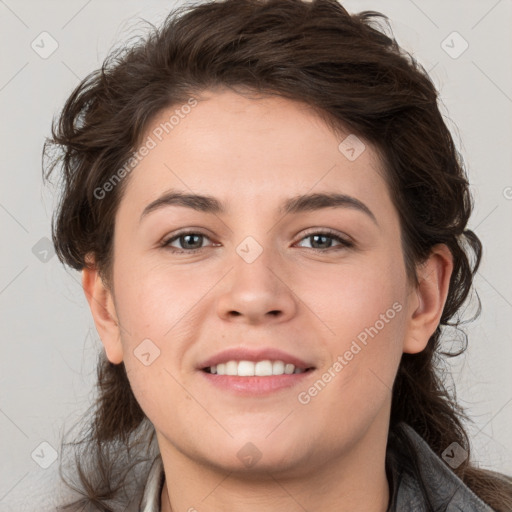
point(299, 295)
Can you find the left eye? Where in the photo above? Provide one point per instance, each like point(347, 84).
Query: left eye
point(192, 242)
point(320, 237)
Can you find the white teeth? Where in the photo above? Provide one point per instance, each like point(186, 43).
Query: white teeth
point(277, 368)
point(249, 368)
point(288, 369)
point(245, 368)
point(263, 368)
point(231, 368)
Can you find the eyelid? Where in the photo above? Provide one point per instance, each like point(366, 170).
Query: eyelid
point(326, 231)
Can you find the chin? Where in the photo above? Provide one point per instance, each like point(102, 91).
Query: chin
point(258, 456)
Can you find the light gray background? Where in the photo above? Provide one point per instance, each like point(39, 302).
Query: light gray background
point(49, 344)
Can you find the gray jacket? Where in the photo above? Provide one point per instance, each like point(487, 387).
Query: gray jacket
point(430, 487)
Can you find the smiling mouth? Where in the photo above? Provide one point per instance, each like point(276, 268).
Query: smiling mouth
point(264, 368)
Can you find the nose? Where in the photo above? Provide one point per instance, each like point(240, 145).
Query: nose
point(258, 291)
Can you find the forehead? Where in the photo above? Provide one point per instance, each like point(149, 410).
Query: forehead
point(249, 148)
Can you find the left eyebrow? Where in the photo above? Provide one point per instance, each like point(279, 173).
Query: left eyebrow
point(312, 202)
point(297, 204)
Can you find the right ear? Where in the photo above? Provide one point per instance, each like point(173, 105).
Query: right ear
point(102, 307)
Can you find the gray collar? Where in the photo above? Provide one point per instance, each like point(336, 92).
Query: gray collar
point(150, 501)
point(428, 486)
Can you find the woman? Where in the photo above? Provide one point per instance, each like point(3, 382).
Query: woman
point(287, 358)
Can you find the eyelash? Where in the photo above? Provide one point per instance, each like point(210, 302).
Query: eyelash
point(345, 244)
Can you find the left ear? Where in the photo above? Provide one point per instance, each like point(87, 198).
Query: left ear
point(429, 298)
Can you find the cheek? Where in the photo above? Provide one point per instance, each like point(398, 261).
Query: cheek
point(366, 306)
point(159, 310)
point(363, 307)
point(155, 300)
point(355, 296)
point(155, 308)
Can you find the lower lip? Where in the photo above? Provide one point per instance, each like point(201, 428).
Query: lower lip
point(256, 385)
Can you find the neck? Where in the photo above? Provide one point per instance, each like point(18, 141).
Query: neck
point(354, 482)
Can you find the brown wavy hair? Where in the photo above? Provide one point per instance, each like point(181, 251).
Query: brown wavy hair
point(351, 70)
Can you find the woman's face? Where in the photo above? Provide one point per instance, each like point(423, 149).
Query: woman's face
point(269, 279)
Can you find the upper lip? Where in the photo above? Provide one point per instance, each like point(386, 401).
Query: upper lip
point(261, 354)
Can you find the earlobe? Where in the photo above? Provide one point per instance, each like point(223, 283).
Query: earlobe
point(426, 310)
point(104, 314)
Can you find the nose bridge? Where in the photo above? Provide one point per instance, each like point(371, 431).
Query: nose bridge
point(254, 238)
point(256, 289)
point(255, 265)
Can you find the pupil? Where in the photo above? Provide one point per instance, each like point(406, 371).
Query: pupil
point(320, 236)
point(185, 237)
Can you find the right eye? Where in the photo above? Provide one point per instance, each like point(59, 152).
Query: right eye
point(189, 240)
